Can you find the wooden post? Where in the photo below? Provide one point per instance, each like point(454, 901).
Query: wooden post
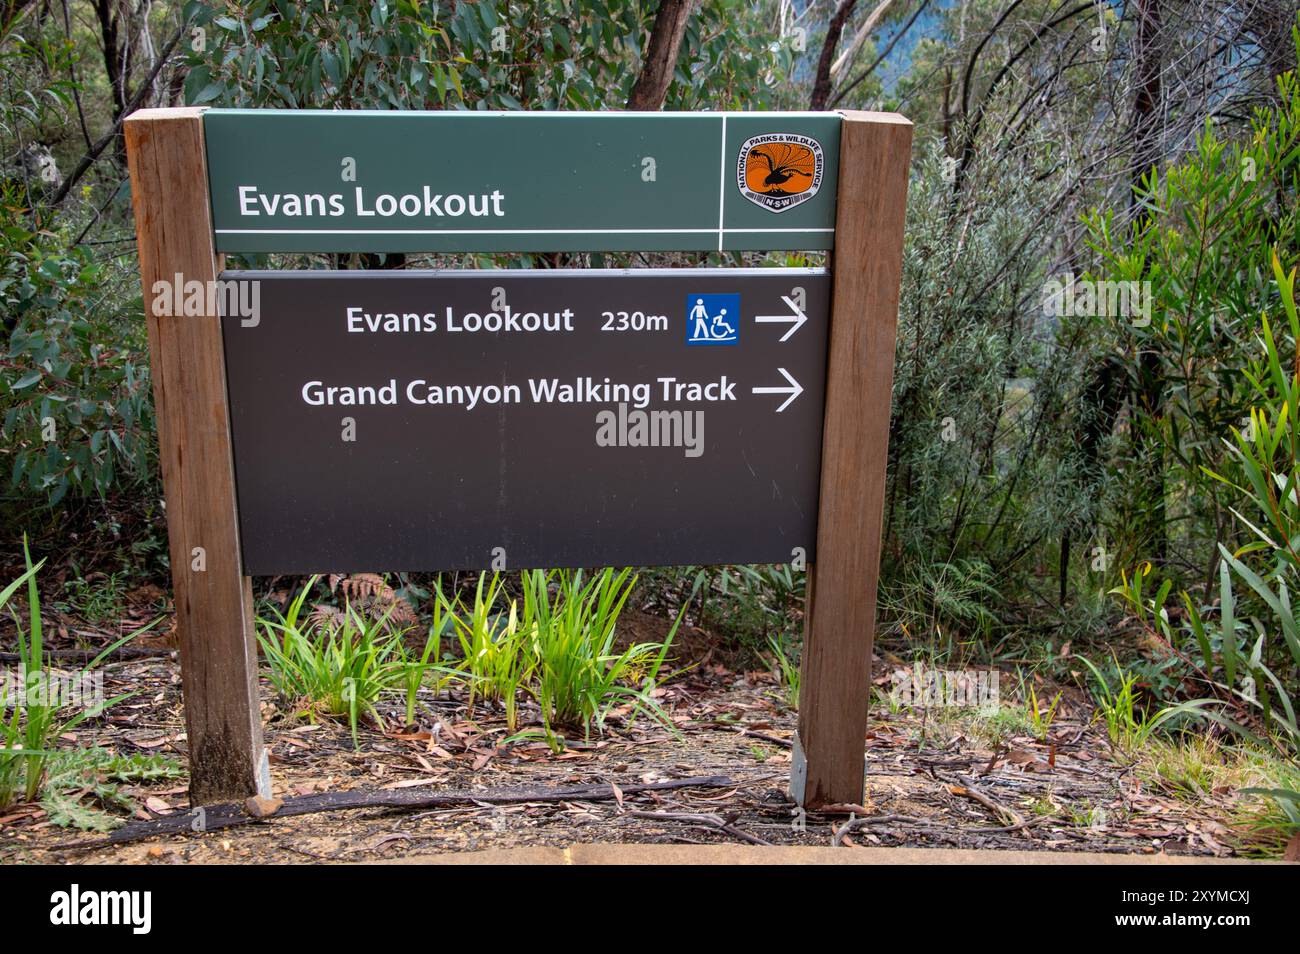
point(840, 615)
point(213, 598)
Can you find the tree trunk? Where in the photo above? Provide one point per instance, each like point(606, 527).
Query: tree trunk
point(651, 86)
point(834, 30)
point(116, 63)
point(1144, 130)
point(1149, 396)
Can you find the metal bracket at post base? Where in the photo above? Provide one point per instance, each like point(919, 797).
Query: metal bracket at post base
point(264, 773)
point(798, 772)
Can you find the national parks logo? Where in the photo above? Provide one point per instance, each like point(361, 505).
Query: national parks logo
point(779, 170)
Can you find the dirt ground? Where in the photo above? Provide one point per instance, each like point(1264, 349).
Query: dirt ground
point(929, 783)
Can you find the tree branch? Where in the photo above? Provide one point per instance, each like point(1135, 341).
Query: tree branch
point(845, 59)
point(883, 53)
point(93, 153)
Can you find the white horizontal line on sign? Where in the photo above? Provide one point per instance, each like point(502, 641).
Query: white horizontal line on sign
point(276, 113)
point(548, 274)
point(498, 231)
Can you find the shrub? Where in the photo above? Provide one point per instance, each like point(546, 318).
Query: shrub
point(1249, 645)
point(334, 665)
point(557, 646)
point(496, 647)
point(75, 407)
point(542, 55)
point(37, 718)
point(579, 675)
point(1201, 241)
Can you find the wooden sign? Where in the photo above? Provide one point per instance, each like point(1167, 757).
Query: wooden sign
point(500, 366)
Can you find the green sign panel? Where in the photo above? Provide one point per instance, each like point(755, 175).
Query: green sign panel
point(329, 181)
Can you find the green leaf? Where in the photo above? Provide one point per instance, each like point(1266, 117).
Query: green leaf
point(1278, 602)
point(208, 93)
point(1228, 621)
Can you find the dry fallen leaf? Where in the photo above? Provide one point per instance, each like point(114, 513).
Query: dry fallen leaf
point(419, 735)
point(1029, 760)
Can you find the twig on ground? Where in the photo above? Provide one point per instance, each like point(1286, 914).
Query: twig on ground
point(708, 821)
point(217, 817)
point(1009, 816)
point(853, 824)
point(764, 737)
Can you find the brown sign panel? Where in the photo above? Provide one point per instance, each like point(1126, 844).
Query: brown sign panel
point(472, 420)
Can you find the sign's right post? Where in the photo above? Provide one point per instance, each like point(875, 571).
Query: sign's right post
point(840, 616)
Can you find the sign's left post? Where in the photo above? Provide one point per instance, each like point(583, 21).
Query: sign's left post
point(213, 598)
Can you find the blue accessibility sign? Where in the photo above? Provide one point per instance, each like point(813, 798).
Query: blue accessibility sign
point(713, 319)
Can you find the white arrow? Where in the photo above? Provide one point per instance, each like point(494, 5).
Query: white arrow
point(794, 390)
point(795, 321)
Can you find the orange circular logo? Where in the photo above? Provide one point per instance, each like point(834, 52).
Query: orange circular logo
point(779, 170)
